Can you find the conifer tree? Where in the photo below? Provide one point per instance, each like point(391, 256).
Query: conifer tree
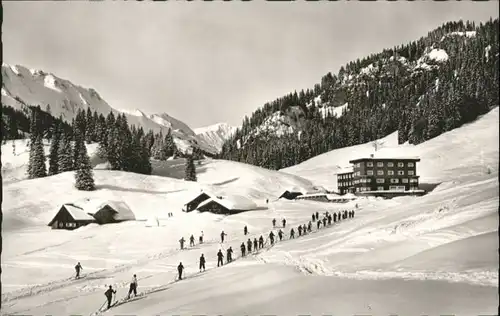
point(65, 155)
point(33, 136)
point(39, 168)
point(190, 169)
point(84, 179)
point(54, 151)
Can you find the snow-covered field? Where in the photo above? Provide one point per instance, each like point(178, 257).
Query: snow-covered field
point(436, 254)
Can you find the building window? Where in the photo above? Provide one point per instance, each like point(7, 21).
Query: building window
point(394, 180)
point(358, 164)
point(369, 164)
point(401, 165)
point(380, 164)
point(390, 164)
point(413, 180)
point(368, 180)
point(390, 172)
point(411, 164)
point(396, 188)
point(380, 188)
point(410, 172)
point(380, 180)
point(404, 180)
point(401, 172)
point(380, 172)
point(369, 172)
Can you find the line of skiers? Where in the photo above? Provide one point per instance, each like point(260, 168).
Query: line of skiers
point(191, 241)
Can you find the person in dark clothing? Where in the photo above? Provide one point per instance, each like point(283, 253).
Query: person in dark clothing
point(255, 244)
point(309, 227)
point(280, 234)
point(324, 221)
point(284, 222)
point(181, 241)
point(317, 216)
point(249, 245)
point(191, 241)
point(313, 217)
point(353, 212)
point(271, 238)
point(109, 295)
point(245, 231)
point(229, 254)
point(274, 222)
point(133, 287)
point(180, 268)
point(334, 217)
point(78, 267)
point(304, 229)
point(220, 258)
point(242, 249)
point(261, 242)
point(300, 230)
point(201, 238)
point(338, 216)
point(292, 233)
point(329, 219)
point(345, 214)
point(222, 236)
point(267, 201)
point(318, 223)
point(202, 262)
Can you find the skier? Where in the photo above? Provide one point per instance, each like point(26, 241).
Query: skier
point(274, 222)
point(338, 216)
point(300, 230)
point(229, 254)
point(292, 233)
point(284, 222)
point(109, 295)
point(261, 242)
point(280, 234)
point(222, 236)
point(191, 241)
point(353, 212)
point(324, 221)
point(242, 249)
point(345, 214)
point(180, 268)
point(201, 237)
point(317, 216)
point(133, 287)
point(181, 241)
point(309, 227)
point(245, 230)
point(304, 230)
point(249, 245)
point(220, 258)
point(202, 262)
point(313, 217)
point(271, 237)
point(334, 217)
point(318, 223)
point(329, 219)
point(78, 267)
point(267, 201)
point(255, 244)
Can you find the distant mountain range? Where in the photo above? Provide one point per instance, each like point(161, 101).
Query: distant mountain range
point(22, 87)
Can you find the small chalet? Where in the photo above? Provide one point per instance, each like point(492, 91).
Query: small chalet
point(193, 204)
point(227, 205)
point(81, 213)
point(290, 195)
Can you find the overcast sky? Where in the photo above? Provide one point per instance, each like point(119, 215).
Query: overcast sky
point(210, 62)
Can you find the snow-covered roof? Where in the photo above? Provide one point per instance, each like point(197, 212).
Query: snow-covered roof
point(385, 156)
point(92, 206)
point(197, 194)
point(346, 170)
point(232, 202)
point(78, 214)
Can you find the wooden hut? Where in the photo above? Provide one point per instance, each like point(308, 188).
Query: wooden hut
point(71, 217)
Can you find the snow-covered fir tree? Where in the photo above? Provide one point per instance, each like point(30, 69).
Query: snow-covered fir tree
point(65, 154)
point(54, 151)
point(84, 178)
point(190, 169)
point(39, 168)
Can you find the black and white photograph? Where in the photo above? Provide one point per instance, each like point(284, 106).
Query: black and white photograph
point(250, 158)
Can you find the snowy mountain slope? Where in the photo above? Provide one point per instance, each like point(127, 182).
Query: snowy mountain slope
point(408, 255)
point(22, 86)
point(471, 148)
point(216, 134)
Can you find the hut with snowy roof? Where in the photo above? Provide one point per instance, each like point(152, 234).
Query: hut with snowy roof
point(195, 201)
point(81, 213)
point(227, 205)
